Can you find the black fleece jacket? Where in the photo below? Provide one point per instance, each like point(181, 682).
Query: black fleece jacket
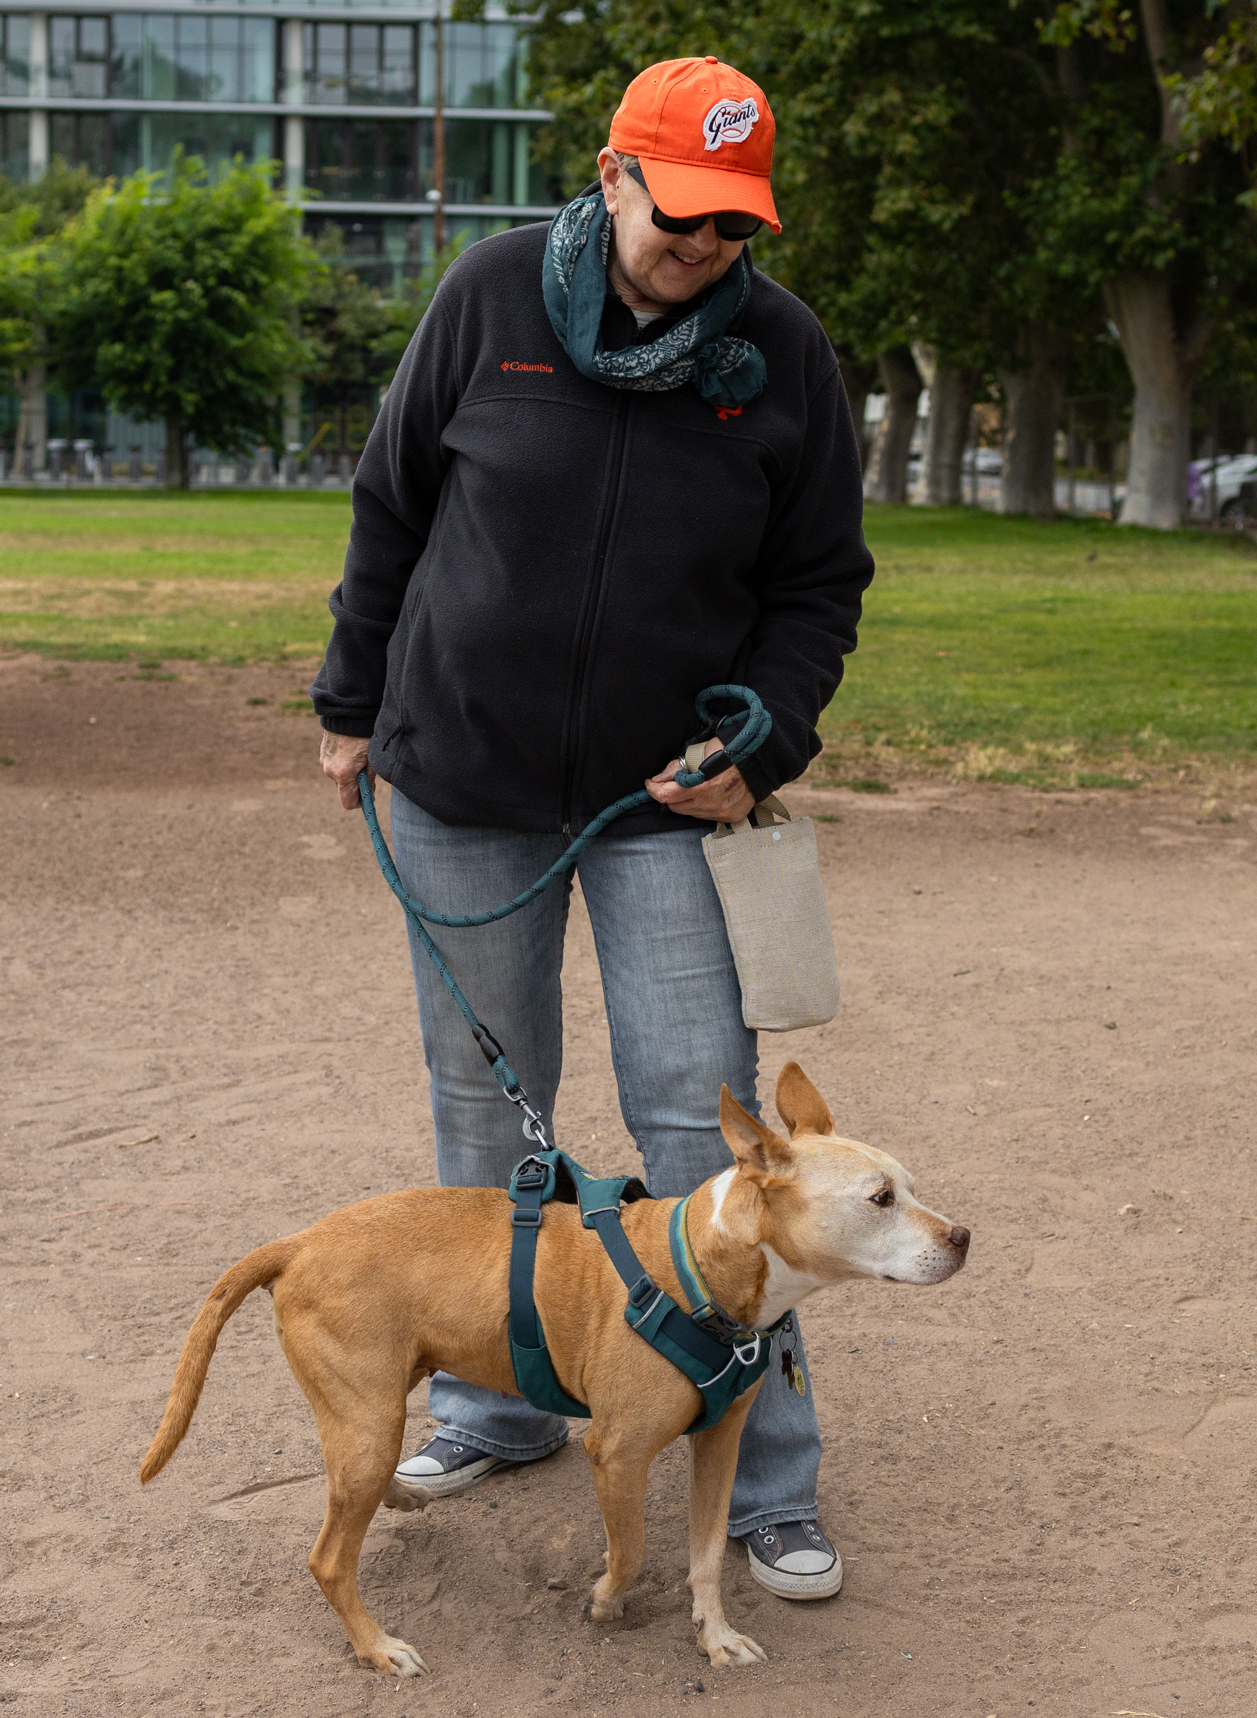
point(543, 572)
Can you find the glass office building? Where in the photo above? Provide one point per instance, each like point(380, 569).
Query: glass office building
point(343, 95)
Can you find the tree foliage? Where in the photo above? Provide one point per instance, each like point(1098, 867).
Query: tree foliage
point(1220, 99)
point(177, 296)
point(32, 214)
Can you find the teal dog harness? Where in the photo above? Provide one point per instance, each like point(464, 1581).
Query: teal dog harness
point(716, 1353)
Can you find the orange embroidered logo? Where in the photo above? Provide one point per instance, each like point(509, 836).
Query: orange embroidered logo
point(510, 364)
point(726, 412)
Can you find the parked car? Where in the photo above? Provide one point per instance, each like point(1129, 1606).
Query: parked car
point(1230, 475)
point(990, 461)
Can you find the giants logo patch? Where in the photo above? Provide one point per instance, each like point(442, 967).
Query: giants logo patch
point(730, 122)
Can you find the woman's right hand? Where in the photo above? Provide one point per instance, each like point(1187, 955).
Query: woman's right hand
point(342, 757)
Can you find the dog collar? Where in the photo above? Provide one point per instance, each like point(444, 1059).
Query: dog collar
point(703, 1309)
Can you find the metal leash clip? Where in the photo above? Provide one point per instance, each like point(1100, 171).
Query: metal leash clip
point(534, 1127)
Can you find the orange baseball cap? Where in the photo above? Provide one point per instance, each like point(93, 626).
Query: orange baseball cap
point(704, 136)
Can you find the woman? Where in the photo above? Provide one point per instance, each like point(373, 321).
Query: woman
point(616, 466)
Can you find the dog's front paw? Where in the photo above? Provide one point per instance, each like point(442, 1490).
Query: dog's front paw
point(724, 1646)
point(394, 1658)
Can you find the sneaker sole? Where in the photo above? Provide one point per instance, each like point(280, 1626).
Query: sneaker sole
point(447, 1484)
point(788, 1586)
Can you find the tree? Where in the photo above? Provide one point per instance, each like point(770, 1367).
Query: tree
point(1155, 222)
point(178, 298)
point(31, 215)
point(887, 478)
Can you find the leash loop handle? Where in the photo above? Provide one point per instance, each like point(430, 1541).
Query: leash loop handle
point(754, 727)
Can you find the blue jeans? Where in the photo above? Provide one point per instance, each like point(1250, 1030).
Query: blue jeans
point(675, 1014)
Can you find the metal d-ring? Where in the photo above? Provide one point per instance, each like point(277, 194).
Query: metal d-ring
point(739, 1347)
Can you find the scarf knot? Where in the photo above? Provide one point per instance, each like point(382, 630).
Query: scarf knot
point(727, 372)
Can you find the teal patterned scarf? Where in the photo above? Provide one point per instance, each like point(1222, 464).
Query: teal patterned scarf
point(725, 370)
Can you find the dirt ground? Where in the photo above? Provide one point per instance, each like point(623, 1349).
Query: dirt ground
point(1040, 1475)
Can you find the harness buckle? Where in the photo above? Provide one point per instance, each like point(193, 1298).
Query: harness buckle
point(740, 1347)
point(525, 1219)
point(716, 1320)
point(641, 1291)
point(530, 1178)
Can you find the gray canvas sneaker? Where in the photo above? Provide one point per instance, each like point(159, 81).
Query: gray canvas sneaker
point(795, 1560)
point(444, 1468)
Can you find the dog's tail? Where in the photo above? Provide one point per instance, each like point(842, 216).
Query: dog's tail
point(261, 1266)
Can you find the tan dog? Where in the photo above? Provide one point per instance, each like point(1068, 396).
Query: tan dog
point(379, 1294)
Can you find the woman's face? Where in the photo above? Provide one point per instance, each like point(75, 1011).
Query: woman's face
point(660, 268)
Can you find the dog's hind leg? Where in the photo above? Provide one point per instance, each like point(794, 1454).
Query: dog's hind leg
point(362, 1439)
point(713, 1463)
point(619, 1468)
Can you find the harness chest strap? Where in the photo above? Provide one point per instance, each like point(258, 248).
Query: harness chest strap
point(717, 1354)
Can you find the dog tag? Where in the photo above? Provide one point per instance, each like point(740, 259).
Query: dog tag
point(799, 1381)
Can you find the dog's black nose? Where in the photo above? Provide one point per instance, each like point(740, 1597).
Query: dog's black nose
point(959, 1238)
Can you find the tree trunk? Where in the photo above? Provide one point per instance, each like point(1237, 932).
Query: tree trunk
point(888, 462)
point(1162, 363)
point(1032, 399)
point(858, 379)
point(951, 399)
point(176, 453)
point(32, 422)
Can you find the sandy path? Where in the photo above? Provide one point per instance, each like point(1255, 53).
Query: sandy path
point(1040, 1476)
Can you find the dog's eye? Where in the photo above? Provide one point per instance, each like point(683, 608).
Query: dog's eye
point(885, 1197)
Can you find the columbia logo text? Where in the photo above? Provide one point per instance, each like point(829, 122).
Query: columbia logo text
point(511, 364)
point(730, 122)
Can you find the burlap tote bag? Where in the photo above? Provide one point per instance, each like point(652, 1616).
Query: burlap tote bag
point(769, 882)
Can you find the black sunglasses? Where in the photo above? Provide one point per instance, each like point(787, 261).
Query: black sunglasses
point(729, 224)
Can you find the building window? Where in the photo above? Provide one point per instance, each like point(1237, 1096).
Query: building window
point(82, 140)
point(484, 66)
point(122, 143)
point(15, 132)
point(361, 160)
point(486, 161)
point(184, 57)
point(382, 250)
point(15, 43)
point(78, 56)
point(359, 65)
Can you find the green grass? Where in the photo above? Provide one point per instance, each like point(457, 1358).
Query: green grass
point(1074, 653)
point(211, 577)
point(1035, 651)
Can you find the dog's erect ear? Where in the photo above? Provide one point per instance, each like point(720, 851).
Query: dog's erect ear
point(755, 1146)
point(799, 1104)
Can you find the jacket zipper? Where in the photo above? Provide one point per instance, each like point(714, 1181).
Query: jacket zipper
point(593, 593)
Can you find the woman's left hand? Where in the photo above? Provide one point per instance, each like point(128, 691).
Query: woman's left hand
point(724, 799)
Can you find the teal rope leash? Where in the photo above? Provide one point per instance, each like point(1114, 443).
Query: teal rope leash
point(754, 728)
